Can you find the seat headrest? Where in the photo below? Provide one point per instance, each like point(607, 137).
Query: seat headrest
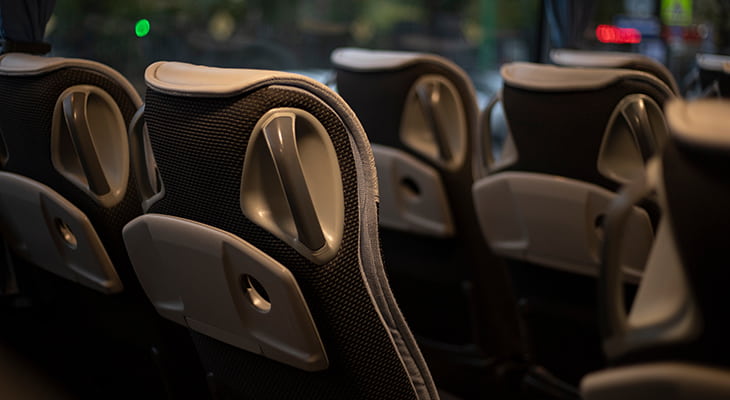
point(182, 79)
point(614, 59)
point(714, 62)
point(700, 123)
point(365, 60)
point(606, 59)
point(20, 64)
point(550, 78)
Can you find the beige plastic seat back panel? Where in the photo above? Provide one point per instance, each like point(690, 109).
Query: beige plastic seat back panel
point(218, 284)
point(664, 311)
point(49, 231)
point(555, 221)
point(412, 194)
point(660, 381)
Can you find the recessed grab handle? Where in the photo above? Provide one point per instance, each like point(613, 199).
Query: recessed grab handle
point(429, 98)
point(281, 141)
point(75, 114)
point(638, 120)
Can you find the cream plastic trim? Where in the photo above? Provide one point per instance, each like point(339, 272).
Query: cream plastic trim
point(427, 211)
point(703, 122)
point(47, 230)
point(366, 60)
point(658, 381)
point(664, 310)
point(107, 137)
point(433, 122)
point(550, 78)
point(291, 183)
point(714, 62)
point(554, 221)
point(20, 64)
point(621, 156)
point(374, 60)
point(199, 276)
point(605, 59)
point(196, 80)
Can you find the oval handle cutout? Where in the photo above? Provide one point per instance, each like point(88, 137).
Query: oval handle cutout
point(89, 144)
point(291, 183)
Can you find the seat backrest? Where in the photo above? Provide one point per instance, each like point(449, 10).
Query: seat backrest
point(577, 133)
point(420, 112)
point(262, 238)
point(677, 315)
point(67, 190)
point(614, 59)
point(714, 74)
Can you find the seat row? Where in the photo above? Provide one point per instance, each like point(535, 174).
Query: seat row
point(243, 206)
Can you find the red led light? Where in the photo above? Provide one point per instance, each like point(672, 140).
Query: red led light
point(614, 34)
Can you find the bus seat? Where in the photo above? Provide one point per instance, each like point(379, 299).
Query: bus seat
point(262, 239)
point(673, 342)
point(420, 112)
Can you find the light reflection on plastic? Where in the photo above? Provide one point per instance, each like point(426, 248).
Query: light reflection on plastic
point(614, 34)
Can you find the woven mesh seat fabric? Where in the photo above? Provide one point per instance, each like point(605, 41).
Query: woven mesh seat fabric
point(564, 137)
point(26, 118)
point(199, 145)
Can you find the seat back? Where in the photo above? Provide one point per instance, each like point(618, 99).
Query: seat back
point(577, 134)
point(615, 59)
point(66, 190)
point(262, 238)
point(420, 113)
point(677, 314)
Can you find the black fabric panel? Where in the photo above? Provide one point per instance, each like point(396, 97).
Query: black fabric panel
point(462, 269)
point(709, 78)
point(560, 133)
point(698, 194)
point(25, 119)
point(199, 145)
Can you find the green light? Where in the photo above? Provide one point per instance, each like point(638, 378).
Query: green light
point(142, 28)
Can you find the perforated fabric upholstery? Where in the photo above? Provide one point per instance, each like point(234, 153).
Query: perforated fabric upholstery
point(560, 132)
point(199, 145)
point(100, 333)
point(25, 119)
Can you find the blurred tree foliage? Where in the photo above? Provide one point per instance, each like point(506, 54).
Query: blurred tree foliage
point(290, 34)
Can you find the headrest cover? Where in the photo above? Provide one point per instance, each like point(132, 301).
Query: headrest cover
point(701, 123)
point(365, 60)
point(606, 59)
point(21, 64)
point(183, 79)
point(550, 78)
point(714, 62)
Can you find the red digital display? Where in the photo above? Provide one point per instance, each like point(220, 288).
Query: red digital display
point(614, 34)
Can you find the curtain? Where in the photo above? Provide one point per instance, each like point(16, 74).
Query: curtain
point(24, 20)
point(567, 20)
